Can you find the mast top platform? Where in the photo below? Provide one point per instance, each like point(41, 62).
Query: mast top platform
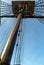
point(24, 7)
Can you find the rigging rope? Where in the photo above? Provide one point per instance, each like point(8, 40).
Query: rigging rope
point(6, 9)
point(39, 10)
point(39, 2)
point(17, 59)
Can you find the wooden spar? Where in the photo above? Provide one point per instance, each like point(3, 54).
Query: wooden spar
point(8, 49)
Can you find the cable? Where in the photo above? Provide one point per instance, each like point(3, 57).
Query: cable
point(39, 2)
point(6, 9)
point(17, 59)
point(4, 21)
point(41, 20)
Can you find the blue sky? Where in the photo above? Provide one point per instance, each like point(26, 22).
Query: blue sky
point(33, 40)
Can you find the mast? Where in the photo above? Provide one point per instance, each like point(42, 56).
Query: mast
point(8, 49)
